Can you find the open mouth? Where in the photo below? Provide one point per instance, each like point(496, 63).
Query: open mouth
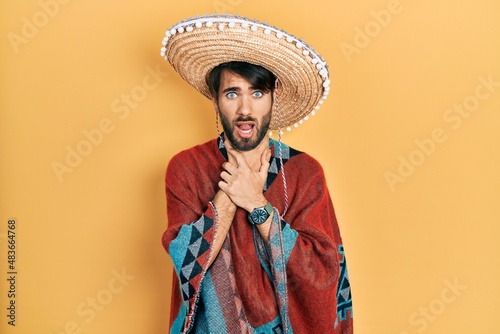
point(245, 130)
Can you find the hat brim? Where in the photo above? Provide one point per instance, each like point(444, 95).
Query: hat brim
point(194, 47)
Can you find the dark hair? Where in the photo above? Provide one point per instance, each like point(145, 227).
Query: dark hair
point(258, 76)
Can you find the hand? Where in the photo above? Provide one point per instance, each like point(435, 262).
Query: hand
point(240, 182)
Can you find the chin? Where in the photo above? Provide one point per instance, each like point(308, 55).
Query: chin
point(245, 144)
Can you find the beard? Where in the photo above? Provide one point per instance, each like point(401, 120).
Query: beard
point(246, 144)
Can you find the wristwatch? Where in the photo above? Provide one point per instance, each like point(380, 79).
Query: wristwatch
point(259, 215)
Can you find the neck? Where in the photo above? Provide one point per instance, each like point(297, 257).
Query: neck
point(253, 157)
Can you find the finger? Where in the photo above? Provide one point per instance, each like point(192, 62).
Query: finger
point(229, 167)
point(225, 176)
point(268, 155)
point(223, 186)
point(264, 161)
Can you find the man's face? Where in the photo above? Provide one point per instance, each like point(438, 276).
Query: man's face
point(244, 110)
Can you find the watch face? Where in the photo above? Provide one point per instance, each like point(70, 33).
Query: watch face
point(259, 216)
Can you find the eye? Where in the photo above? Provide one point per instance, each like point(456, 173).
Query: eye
point(258, 94)
point(231, 95)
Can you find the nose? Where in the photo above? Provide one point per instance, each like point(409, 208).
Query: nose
point(245, 107)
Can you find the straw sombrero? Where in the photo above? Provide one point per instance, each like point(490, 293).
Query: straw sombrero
point(195, 46)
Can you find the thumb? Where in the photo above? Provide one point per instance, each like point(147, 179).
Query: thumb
point(231, 157)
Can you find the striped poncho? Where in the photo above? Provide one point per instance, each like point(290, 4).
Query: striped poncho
point(296, 282)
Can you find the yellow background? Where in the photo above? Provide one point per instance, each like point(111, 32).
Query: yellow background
point(415, 184)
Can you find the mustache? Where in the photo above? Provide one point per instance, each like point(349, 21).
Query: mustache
point(245, 119)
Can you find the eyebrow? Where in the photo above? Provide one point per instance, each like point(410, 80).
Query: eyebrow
point(236, 89)
point(231, 89)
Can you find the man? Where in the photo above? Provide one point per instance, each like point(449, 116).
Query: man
point(252, 231)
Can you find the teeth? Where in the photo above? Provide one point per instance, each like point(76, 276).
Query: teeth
point(244, 129)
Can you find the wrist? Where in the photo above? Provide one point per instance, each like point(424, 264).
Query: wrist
point(223, 201)
point(258, 203)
